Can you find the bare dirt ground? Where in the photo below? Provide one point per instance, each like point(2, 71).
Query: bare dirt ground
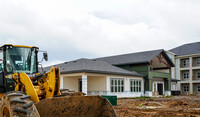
point(176, 106)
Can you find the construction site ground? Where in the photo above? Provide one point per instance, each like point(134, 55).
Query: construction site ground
point(175, 106)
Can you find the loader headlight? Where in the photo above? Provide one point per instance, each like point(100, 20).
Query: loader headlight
point(10, 76)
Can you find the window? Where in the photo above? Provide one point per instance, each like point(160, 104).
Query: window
point(199, 88)
point(19, 59)
point(135, 85)
point(1, 60)
point(185, 75)
point(117, 85)
point(198, 74)
point(186, 88)
point(198, 61)
point(185, 62)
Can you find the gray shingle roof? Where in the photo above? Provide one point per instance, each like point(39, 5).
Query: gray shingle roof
point(92, 66)
point(187, 49)
point(133, 58)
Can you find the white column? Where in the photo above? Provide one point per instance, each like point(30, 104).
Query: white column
point(108, 84)
point(84, 84)
point(142, 85)
point(126, 85)
point(191, 88)
point(190, 71)
point(61, 82)
point(190, 78)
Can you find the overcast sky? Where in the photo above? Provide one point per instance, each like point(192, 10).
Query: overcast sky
point(73, 29)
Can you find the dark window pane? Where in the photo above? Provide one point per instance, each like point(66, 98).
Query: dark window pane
point(122, 89)
point(139, 89)
point(115, 88)
point(112, 89)
point(136, 84)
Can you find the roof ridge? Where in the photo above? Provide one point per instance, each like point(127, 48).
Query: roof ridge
point(198, 42)
point(130, 53)
point(187, 49)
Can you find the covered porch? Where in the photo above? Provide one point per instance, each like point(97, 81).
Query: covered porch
point(88, 83)
point(159, 75)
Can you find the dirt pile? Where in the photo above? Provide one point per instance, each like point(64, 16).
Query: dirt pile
point(177, 103)
point(151, 104)
point(177, 106)
point(75, 106)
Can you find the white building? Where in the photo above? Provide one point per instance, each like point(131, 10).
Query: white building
point(94, 77)
point(187, 68)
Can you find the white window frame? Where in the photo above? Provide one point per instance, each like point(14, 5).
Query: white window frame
point(198, 61)
point(186, 88)
point(1, 62)
point(173, 87)
point(134, 87)
point(185, 75)
point(186, 62)
point(117, 87)
point(155, 86)
point(198, 88)
point(198, 74)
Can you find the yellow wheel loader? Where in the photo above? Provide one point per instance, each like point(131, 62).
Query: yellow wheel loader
point(27, 93)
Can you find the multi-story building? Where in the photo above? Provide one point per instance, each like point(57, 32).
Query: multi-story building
point(187, 68)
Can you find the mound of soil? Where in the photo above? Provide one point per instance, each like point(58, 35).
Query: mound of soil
point(178, 103)
point(151, 104)
point(176, 106)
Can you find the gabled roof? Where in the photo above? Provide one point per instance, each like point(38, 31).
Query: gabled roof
point(92, 66)
point(135, 58)
point(187, 49)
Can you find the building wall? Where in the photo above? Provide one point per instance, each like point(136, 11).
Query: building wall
point(196, 87)
point(177, 72)
point(163, 71)
point(71, 83)
point(167, 76)
point(149, 75)
point(192, 68)
point(96, 83)
point(143, 69)
point(100, 84)
point(172, 58)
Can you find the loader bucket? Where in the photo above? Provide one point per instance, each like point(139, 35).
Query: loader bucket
point(75, 106)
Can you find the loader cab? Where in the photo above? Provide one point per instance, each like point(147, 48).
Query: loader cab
point(16, 59)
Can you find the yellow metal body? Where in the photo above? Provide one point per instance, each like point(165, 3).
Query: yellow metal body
point(24, 46)
point(47, 86)
point(1, 94)
point(26, 81)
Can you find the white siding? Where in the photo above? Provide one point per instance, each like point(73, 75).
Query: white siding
point(70, 83)
point(96, 83)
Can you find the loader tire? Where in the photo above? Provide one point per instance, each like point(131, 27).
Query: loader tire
point(17, 104)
